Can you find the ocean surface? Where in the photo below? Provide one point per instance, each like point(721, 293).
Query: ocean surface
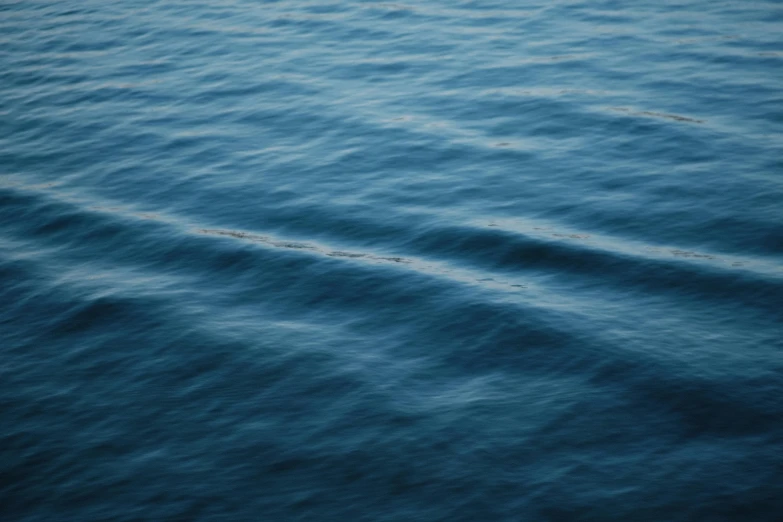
point(378, 261)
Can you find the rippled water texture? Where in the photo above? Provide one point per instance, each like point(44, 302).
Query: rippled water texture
point(363, 261)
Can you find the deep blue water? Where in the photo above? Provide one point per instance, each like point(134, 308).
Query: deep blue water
point(365, 261)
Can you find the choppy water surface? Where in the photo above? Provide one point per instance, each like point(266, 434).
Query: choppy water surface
point(437, 261)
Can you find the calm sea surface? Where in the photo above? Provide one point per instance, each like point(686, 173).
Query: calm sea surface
point(364, 261)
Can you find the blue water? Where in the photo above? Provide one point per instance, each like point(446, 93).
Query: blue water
point(364, 261)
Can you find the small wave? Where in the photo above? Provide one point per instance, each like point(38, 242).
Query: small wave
point(674, 117)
